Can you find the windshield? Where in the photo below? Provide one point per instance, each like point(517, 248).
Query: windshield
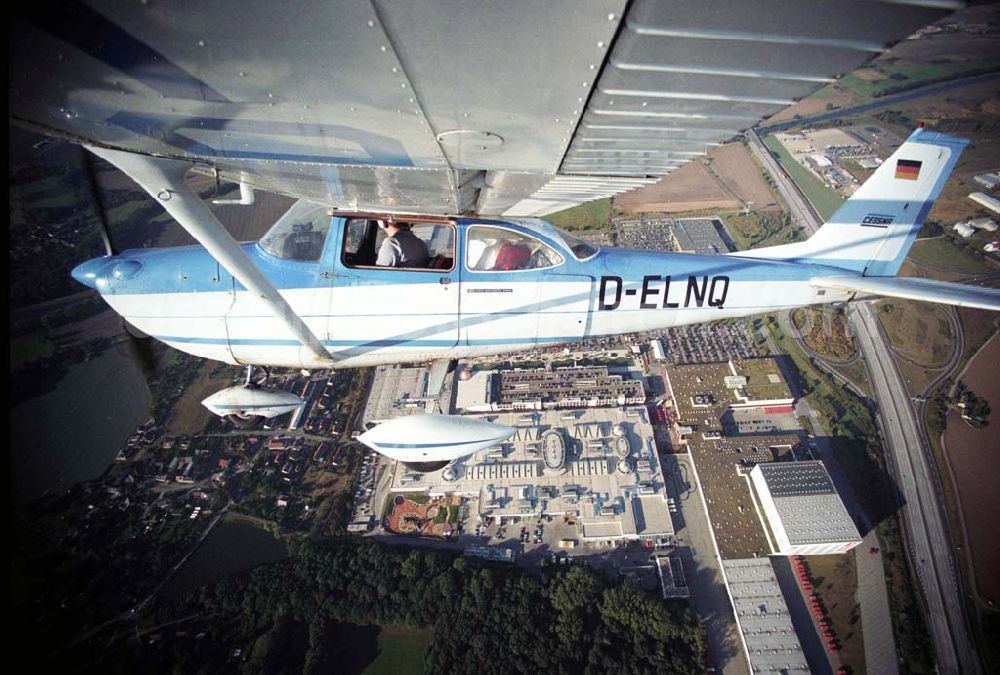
point(300, 233)
point(580, 248)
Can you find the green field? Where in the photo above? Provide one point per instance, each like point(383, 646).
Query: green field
point(907, 75)
point(233, 546)
point(944, 255)
point(400, 651)
point(824, 199)
point(588, 216)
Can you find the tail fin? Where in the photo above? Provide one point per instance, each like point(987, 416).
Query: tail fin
point(872, 232)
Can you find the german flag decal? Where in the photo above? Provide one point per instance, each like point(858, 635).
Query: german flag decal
point(907, 169)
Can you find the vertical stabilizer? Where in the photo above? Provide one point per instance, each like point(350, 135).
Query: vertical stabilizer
point(872, 231)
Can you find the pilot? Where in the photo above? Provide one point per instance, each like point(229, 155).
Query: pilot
point(401, 247)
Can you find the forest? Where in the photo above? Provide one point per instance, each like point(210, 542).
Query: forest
point(315, 613)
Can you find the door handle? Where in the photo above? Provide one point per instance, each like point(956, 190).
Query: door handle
point(444, 281)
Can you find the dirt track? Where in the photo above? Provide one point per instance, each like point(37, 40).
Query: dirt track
point(975, 458)
point(689, 188)
point(741, 175)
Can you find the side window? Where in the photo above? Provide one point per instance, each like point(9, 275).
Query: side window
point(415, 246)
point(299, 234)
point(494, 249)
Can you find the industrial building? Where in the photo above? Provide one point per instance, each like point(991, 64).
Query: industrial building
point(992, 203)
point(703, 236)
point(802, 508)
point(397, 391)
point(540, 389)
point(596, 469)
point(658, 352)
point(990, 180)
point(703, 392)
point(765, 623)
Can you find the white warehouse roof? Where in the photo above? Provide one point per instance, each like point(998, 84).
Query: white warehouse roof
point(803, 509)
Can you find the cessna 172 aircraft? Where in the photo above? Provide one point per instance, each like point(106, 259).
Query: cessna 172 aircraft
point(422, 113)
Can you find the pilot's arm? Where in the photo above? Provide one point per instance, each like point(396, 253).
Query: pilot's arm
point(389, 255)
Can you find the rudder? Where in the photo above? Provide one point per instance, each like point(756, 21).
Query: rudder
point(872, 232)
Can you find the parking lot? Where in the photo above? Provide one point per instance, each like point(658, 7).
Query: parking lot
point(363, 508)
point(707, 343)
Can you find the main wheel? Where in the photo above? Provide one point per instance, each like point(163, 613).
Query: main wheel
point(245, 421)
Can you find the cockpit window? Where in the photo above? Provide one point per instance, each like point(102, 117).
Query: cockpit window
point(580, 248)
point(364, 243)
point(299, 234)
point(494, 249)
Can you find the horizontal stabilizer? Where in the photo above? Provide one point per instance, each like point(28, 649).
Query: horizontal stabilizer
point(945, 292)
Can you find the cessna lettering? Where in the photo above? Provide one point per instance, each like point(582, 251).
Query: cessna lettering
point(666, 292)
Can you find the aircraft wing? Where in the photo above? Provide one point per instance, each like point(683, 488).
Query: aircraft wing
point(946, 292)
point(433, 106)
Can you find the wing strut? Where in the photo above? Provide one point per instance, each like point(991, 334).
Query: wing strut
point(163, 179)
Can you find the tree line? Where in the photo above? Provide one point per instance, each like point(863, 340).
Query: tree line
point(308, 614)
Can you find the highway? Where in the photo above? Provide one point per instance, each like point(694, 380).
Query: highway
point(882, 102)
point(799, 207)
point(928, 539)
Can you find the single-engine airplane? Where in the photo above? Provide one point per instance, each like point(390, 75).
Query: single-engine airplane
point(495, 286)
point(415, 112)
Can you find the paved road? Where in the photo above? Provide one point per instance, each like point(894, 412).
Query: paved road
point(880, 643)
point(884, 101)
point(799, 207)
point(702, 566)
point(934, 565)
point(929, 543)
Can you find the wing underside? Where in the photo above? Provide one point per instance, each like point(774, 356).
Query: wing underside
point(518, 108)
point(945, 292)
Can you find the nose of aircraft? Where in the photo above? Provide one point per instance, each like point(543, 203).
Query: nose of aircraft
point(89, 272)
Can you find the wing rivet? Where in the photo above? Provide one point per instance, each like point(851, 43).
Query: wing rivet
point(371, 24)
point(600, 45)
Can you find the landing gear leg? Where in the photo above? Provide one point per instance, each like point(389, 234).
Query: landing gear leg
point(256, 377)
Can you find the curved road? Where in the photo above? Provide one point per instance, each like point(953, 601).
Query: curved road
point(928, 539)
point(929, 544)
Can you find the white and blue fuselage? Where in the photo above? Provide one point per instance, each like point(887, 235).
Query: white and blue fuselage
point(371, 316)
point(558, 290)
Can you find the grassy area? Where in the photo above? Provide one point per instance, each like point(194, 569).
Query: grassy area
point(912, 639)
point(943, 254)
point(856, 447)
point(189, 416)
point(235, 545)
point(761, 229)
point(835, 578)
point(856, 373)
point(845, 416)
point(882, 79)
point(588, 216)
point(824, 199)
point(919, 331)
point(400, 651)
point(825, 331)
point(978, 326)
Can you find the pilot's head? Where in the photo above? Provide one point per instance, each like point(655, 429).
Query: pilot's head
point(391, 227)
